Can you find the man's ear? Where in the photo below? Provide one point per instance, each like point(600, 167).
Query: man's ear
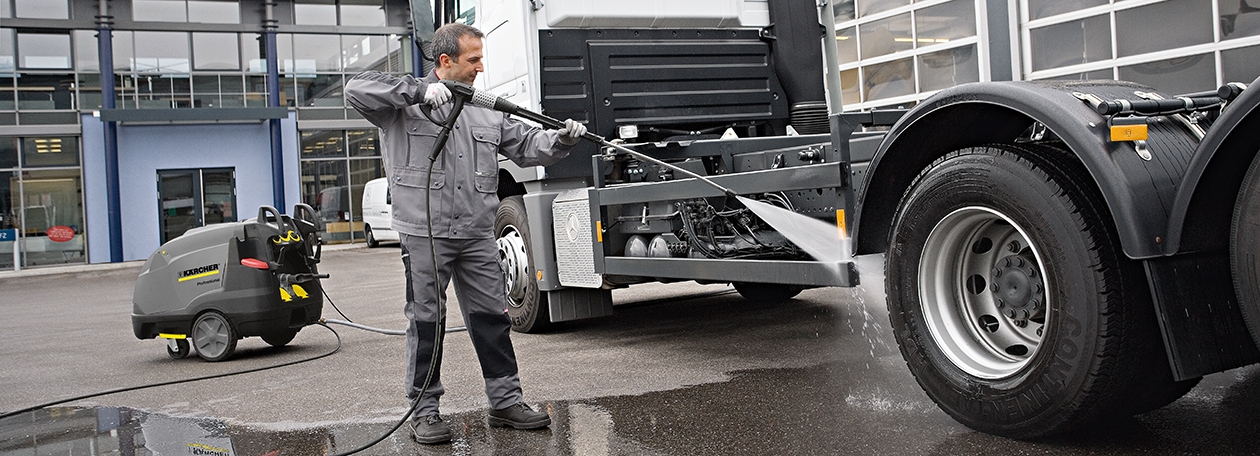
point(443, 60)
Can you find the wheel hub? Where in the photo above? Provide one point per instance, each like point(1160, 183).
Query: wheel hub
point(1017, 290)
point(983, 292)
point(515, 264)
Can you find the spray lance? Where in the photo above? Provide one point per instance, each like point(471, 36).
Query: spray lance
point(821, 240)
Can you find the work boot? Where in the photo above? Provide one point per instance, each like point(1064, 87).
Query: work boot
point(519, 416)
point(430, 430)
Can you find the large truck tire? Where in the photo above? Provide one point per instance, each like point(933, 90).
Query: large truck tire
point(1011, 301)
point(527, 306)
point(1244, 249)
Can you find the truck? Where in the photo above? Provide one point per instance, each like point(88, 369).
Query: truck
point(1056, 253)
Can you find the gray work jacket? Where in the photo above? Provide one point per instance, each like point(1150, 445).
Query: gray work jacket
point(465, 175)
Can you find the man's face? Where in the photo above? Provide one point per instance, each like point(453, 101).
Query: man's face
point(469, 64)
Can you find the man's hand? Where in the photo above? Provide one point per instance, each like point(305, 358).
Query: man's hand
point(571, 133)
point(437, 94)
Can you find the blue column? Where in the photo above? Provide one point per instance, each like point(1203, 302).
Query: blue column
point(105, 50)
point(273, 101)
point(417, 62)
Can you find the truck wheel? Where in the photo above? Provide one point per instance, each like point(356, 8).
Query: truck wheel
point(768, 293)
point(213, 336)
point(527, 307)
point(1009, 296)
point(371, 240)
point(279, 338)
point(1244, 249)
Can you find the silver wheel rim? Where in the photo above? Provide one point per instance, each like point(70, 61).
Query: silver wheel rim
point(983, 293)
point(515, 264)
point(211, 336)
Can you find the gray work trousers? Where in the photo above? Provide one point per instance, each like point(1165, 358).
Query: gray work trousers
point(474, 265)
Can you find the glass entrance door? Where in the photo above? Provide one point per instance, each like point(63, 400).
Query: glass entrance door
point(188, 198)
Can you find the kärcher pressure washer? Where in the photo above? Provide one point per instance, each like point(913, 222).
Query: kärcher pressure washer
point(223, 282)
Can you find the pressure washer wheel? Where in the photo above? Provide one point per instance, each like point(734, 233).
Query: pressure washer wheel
point(177, 348)
point(213, 336)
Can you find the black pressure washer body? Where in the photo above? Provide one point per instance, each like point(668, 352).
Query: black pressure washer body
point(223, 282)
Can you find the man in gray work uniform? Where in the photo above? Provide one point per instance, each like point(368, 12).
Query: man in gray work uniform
point(464, 201)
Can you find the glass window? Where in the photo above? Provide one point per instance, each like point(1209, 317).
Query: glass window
point(869, 7)
point(313, 53)
point(843, 10)
point(256, 91)
point(1240, 65)
point(362, 143)
point(1237, 21)
point(1038, 9)
point(325, 187)
point(322, 143)
point(363, 12)
point(314, 12)
point(214, 12)
point(159, 10)
point(849, 84)
point(8, 98)
point(886, 36)
point(322, 90)
point(1071, 43)
point(42, 9)
point(5, 8)
point(887, 80)
point(8, 153)
point(7, 60)
point(251, 53)
point(124, 51)
point(232, 91)
point(400, 54)
point(944, 22)
point(1140, 30)
point(206, 91)
point(86, 51)
point(846, 45)
point(43, 50)
point(45, 91)
point(361, 171)
point(90, 96)
point(50, 151)
point(948, 68)
point(52, 215)
point(1175, 76)
point(153, 92)
point(161, 52)
point(365, 52)
point(216, 51)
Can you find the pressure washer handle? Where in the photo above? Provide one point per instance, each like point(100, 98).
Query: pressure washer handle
point(280, 223)
point(445, 125)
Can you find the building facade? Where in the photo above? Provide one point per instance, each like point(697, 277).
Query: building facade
point(205, 121)
point(217, 107)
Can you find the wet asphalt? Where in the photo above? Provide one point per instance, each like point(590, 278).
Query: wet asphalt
point(679, 369)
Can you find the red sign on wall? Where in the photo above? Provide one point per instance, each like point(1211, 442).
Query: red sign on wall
point(60, 233)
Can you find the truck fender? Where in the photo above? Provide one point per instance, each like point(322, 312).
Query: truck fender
point(1204, 204)
point(1138, 193)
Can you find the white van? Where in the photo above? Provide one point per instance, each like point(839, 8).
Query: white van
point(376, 213)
